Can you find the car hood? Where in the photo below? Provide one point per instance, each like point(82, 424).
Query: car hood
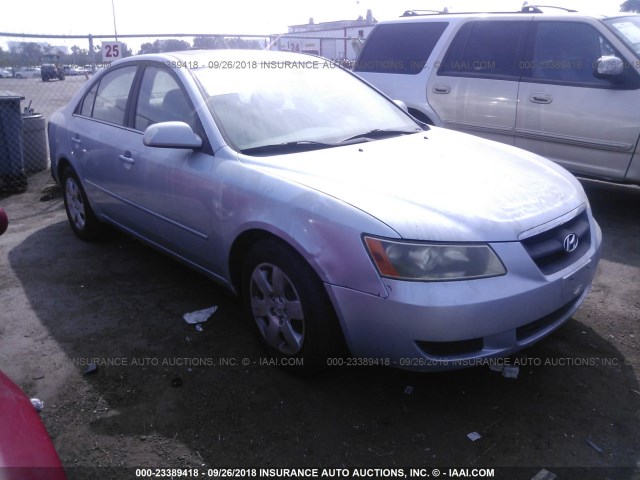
point(438, 185)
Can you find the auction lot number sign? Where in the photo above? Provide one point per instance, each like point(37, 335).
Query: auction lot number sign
point(111, 51)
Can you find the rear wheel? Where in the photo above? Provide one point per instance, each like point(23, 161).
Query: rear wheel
point(290, 307)
point(80, 214)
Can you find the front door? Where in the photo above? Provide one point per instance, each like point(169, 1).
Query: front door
point(565, 113)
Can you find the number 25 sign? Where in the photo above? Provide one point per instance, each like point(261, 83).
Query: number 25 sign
point(111, 51)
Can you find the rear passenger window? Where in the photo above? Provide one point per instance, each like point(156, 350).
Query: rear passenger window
point(87, 102)
point(401, 48)
point(487, 49)
point(113, 92)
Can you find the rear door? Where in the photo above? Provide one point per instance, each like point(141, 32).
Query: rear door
point(99, 134)
point(475, 89)
point(587, 124)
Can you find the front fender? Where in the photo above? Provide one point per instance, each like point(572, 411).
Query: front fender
point(325, 231)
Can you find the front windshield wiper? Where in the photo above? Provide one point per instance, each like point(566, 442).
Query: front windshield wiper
point(378, 133)
point(308, 145)
point(287, 147)
point(299, 146)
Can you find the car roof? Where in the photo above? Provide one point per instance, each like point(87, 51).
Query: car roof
point(542, 11)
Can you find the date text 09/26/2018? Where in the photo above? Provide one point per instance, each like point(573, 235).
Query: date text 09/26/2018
point(316, 64)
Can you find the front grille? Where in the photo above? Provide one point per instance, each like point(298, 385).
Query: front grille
point(547, 248)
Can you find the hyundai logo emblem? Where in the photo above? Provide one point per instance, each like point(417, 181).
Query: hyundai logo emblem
point(570, 242)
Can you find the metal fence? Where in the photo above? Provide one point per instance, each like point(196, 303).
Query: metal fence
point(27, 100)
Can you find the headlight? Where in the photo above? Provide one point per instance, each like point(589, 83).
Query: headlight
point(433, 261)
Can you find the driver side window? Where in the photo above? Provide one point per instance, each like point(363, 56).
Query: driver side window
point(566, 53)
point(162, 100)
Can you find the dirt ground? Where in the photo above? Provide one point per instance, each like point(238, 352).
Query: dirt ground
point(167, 395)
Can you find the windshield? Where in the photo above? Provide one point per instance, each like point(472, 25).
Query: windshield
point(310, 102)
point(628, 29)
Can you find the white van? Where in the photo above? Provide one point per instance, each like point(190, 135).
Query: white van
point(559, 83)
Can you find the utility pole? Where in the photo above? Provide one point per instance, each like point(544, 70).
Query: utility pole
point(113, 11)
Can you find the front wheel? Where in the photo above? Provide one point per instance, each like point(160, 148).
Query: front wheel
point(83, 221)
point(290, 307)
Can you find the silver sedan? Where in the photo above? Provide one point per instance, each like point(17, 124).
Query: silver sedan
point(347, 226)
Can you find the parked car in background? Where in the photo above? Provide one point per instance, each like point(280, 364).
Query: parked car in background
point(338, 217)
point(28, 72)
point(73, 70)
point(562, 84)
point(50, 71)
point(5, 73)
point(51, 68)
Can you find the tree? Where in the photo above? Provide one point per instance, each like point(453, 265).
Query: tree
point(206, 43)
point(169, 45)
point(243, 43)
point(97, 54)
point(631, 6)
point(173, 45)
point(78, 56)
point(225, 42)
point(29, 53)
point(148, 47)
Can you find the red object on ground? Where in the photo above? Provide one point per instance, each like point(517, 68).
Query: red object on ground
point(26, 451)
point(4, 221)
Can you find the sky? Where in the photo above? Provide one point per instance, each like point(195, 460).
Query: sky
point(81, 17)
point(254, 17)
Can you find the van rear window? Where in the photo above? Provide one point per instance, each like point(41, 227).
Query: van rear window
point(401, 48)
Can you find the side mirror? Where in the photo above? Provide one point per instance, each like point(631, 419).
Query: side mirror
point(609, 67)
point(171, 135)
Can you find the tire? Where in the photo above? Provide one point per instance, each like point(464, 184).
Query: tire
point(83, 221)
point(290, 307)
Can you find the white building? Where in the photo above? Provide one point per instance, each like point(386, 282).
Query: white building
point(338, 40)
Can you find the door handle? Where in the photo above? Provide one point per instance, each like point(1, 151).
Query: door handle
point(540, 98)
point(76, 139)
point(126, 158)
point(441, 89)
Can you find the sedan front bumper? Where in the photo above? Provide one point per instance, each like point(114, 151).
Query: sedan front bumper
point(447, 325)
